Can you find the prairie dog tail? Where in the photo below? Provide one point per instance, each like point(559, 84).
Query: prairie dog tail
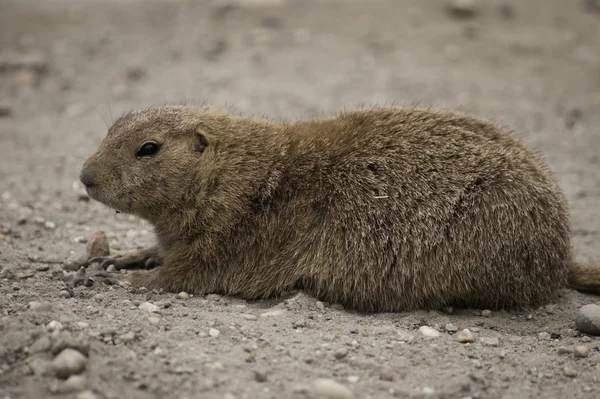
point(584, 278)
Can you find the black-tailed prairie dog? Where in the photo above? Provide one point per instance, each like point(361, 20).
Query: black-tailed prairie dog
point(378, 209)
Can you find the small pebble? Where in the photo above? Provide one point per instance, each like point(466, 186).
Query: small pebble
point(451, 327)
point(570, 372)
point(352, 379)
point(586, 339)
point(86, 395)
point(506, 11)
point(42, 268)
point(593, 5)
point(260, 375)
point(77, 278)
point(25, 275)
point(154, 320)
point(135, 73)
point(42, 344)
point(340, 353)
point(54, 326)
point(588, 319)
point(486, 313)
point(490, 341)
point(429, 332)
point(386, 375)
point(75, 383)
point(215, 48)
point(462, 8)
point(80, 240)
point(5, 110)
point(213, 332)
point(581, 351)
point(299, 324)
point(564, 350)
point(404, 337)
point(69, 362)
point(213, 297)
point(330, 389)
point(183, 295)
point(148, 307)
point(97, 245)
point(273, 313)
point(50, 225)
point(448, 310)
point(249, 316)
point(127, 337)
point(544, 336)
point(465, 336)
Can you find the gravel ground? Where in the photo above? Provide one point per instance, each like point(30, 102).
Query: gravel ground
point(69, 68)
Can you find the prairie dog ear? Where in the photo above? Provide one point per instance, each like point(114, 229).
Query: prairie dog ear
point(202, 140)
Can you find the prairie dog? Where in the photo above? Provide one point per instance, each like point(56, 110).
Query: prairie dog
point(379, 209)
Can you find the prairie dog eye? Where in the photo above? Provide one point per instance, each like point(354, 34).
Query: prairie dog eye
point(148, 149)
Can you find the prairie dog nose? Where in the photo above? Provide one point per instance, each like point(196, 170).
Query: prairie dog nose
point(87, 175)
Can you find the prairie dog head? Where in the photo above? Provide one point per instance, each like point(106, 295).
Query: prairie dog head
point(147, 161)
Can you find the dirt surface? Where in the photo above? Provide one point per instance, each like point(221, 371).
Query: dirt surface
point(69, 68)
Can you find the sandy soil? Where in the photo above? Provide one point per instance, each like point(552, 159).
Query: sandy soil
point(69, 68)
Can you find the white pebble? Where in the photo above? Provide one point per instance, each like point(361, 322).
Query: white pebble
point(86, 395)
point(331, 389)
point(213, 332)
point(64, 294)
point(429, 331)
point(544, 336)
point(148, 307)
point(273, 313)
point(581, 351)
point(54, 326)
point(50, 225)
point(465, 336)
point(75, 383)
point(69, 362)
point(213, 297)
point(42, 344)
point(154, 320)
point(183, 295)
point(353, 379)
point(570, 372)
point(80, 240)
point(588, 319)
point(490, 341)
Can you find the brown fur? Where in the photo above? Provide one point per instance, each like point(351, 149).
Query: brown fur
point(379, 209)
